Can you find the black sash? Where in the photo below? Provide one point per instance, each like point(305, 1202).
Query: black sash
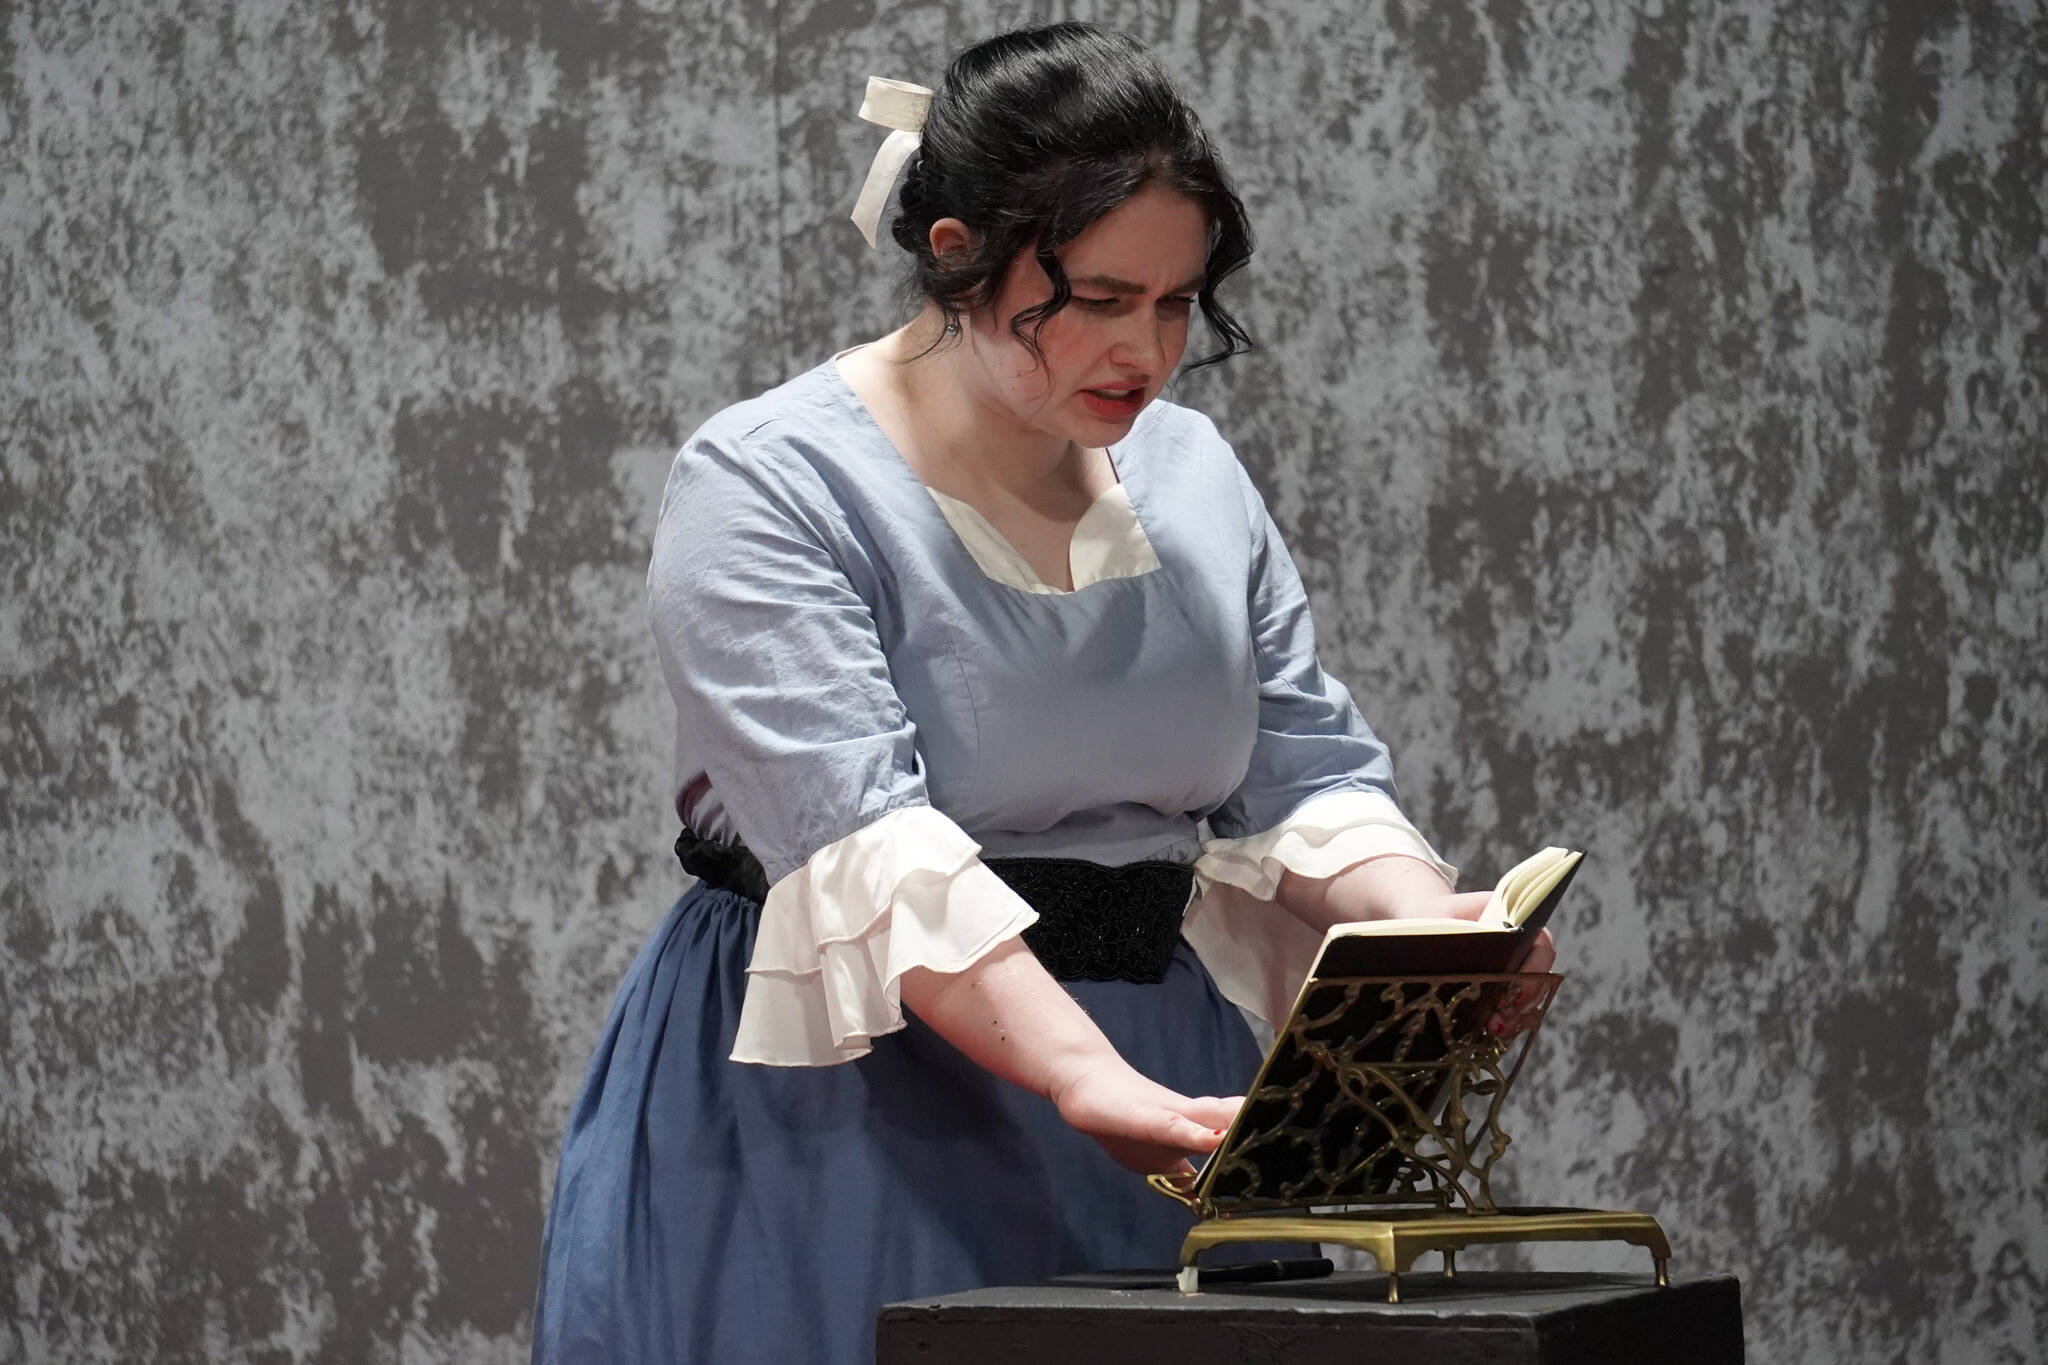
point(1095, 923)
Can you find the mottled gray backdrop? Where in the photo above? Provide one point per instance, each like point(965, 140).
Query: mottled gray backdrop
point(1653, 393)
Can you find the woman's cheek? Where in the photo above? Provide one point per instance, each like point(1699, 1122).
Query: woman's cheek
point(1072, 353)
point(1177, 343)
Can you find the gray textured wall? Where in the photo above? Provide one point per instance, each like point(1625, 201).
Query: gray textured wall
point(1653, 394)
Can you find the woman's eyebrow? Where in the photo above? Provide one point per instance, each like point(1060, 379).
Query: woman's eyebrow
point(1116, 285)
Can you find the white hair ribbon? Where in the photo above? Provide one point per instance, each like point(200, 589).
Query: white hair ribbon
point(896, 105)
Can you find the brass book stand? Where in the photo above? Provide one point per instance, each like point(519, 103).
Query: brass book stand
point(1374, 1123)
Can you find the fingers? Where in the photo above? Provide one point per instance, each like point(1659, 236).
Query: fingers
point(1213, 1112)
point(1162, 1151)
point(1463, 905)
point(1183, 1133)
point(1142, 1124)
point(1191, 1125)
point(1147, 1159)
point(1521, 1008)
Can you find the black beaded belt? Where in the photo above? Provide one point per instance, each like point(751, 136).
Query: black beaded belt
point(1095, 923)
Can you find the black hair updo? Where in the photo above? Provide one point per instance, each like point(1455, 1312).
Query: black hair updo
point(1034, 135)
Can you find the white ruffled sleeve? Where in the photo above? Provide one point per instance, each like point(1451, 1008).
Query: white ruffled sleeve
point(1258, 953)
point(838, 934)
point(1324, 836)
point(760, 596)
point(1317, 797)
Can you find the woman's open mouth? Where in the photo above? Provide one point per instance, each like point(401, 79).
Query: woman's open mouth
point(1114, 405)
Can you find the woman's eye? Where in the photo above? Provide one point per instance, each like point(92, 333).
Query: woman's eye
point(1178, 303)
point(1097, 303)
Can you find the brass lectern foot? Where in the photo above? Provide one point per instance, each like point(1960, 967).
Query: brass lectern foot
point(1395, 1237)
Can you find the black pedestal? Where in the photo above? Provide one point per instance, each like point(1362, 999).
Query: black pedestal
point(1478, 1319)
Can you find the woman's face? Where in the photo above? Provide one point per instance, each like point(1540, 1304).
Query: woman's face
point(1134, 273)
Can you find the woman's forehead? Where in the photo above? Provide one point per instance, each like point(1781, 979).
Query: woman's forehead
point(1158, 239)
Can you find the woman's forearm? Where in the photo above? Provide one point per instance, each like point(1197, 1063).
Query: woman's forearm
point(1010, 1017)
point(1393, 886)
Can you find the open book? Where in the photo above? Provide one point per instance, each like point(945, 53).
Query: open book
point(1359, 1063)
point(1495, 942)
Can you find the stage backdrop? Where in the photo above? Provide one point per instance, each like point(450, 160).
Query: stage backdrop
point(1653, 396)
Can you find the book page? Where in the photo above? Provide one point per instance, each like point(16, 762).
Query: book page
point(1526, 884)
point(1514, 898)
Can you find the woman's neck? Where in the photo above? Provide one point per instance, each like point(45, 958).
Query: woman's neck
point(963, 437)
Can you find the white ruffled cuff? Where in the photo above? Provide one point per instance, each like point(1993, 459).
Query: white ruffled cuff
point(837, 935)
point(1325, 835)
point(1258, 953)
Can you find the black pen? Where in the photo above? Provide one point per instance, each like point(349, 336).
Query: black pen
point(1258, 1272)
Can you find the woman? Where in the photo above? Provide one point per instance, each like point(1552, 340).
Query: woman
point(968, 635)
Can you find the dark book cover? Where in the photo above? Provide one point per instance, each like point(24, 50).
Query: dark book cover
point(1439, 954)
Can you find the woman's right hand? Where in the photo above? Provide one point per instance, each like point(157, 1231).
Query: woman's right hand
point(1144, 1126)
point(1011, 1018)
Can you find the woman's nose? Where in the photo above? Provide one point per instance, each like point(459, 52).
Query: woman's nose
point(1143, 344)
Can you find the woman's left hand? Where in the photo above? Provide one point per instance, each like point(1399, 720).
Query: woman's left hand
point(1521, 1010)
point(1542, 954)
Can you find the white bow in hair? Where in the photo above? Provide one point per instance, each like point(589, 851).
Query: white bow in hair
point(896, 105)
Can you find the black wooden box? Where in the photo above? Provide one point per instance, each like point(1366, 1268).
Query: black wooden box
point(1478, 1319)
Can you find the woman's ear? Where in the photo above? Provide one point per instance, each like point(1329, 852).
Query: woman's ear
point(949, 235)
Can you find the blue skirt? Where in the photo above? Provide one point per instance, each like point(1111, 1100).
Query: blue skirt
point(709, 1210)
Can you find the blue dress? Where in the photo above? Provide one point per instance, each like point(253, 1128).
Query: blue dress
point(836, 654)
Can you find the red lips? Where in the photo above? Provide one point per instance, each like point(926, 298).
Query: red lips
point(1114, 404)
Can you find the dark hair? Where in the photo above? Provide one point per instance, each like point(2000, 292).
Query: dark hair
point(1033, 136)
